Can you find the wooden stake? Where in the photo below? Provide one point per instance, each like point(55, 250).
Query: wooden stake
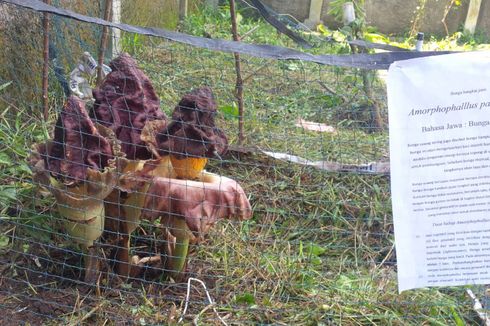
point(238, 68)
point(183, 7)
point(116, 33)
point(472, 16)
point(103, 41)
point(376, 123)
point(314, 18)
point(45, 85)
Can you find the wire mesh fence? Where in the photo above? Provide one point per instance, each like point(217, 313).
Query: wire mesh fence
point(107, 216)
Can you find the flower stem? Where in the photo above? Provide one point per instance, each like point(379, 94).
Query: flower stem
point(177, 256)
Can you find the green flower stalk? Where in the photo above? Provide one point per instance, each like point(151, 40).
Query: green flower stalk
point(124, 212)
point(177, 239)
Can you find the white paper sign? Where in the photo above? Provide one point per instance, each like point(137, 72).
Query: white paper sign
point(439, 118)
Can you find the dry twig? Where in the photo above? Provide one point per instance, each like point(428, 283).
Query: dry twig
point(478, 308)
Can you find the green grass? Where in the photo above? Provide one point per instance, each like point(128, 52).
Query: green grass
point(151, 13)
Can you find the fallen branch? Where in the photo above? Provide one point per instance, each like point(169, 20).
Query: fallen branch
point(331, 91)
point(249, 32)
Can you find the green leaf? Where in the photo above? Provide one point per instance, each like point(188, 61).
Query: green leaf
point(2, 87)
point(4, 241)
point(290, 65)
point(346, 30)
point(316, 261)
point(230, 111)
point(246, 298)
point(376, 38)
point(5, 159)
point(23, 167)
point(349, 79)
point(322, 29)
point(7, 193)
point(331, 100)
point(457, 318)
point(315, 250)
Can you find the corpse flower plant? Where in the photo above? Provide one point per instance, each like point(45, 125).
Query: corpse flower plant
point(79, 167)
point(192, 136)
point(108, 175)
point(127, 103)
